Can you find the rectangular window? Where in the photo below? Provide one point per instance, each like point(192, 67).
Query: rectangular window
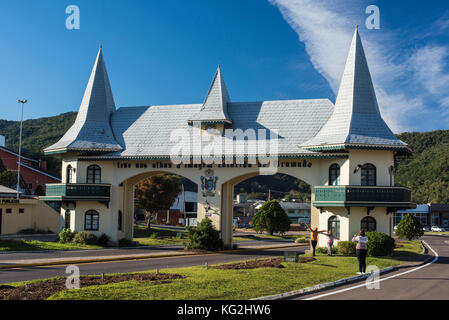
point(21, 210)
point(8, 210)
point(91, 222)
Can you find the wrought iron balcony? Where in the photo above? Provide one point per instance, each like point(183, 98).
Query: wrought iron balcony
point(360, 196)
point(77, 191)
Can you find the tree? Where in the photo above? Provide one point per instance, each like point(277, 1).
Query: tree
point(8, 179)
point(272, 218)
point(204, 236)
point(159, 192)
point(409, 228)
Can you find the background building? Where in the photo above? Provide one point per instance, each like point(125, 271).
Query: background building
point(298, 213)
point(26, 213)
point(439, 215)
point(421, 212)
point(33, 172)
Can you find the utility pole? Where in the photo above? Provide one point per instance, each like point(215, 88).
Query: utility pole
point(269, 194)
point(20, 146)
point(184, 204)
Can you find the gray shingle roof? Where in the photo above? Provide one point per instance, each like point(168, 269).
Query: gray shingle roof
point(304, 126)
point(294, 205)
point(145, 131)
point(215, 107)
point(91, 130)
point(356, 118)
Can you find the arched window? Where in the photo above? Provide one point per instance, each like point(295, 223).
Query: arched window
point(67, 219)
point(93, 174)
point(69, 177)
point(91, 220)
point(368, 175)
point(334, 175)
point(368, 224)
point(333, 224)
point(120, 220)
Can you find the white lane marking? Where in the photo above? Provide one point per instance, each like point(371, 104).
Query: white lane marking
point(383, 279)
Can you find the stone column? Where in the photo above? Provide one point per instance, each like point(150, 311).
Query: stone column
point(227, 213)
point(113, 214)
point(128, 210)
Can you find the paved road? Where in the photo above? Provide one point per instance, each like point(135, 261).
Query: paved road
point(6, 257)
point(427, 283)
point(23, 274)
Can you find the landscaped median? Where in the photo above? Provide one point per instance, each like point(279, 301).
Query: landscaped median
point(236, 282)
point(142, 237)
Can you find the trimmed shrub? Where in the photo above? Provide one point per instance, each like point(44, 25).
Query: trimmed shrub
point(153, 235)
point(409, 228)
point(103, 240)
point(85, 237)
point(323, 250)
point(126, 243)
point(380, 244)
point(204, 237)
point(346, 248)
point(272, 218)
point(66, 235)
point(302, 240)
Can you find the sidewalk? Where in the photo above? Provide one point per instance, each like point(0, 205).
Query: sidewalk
point(17, 259)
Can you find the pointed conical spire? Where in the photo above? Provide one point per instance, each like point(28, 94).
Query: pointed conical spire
point(92, 130)
point(356, 118)
point(215, 107)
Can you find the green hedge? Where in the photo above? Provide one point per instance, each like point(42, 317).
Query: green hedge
point(204, 237)
point(66, 235)
point(346, 248)
point(85, 238)
point(323, 250)
point(380, 244)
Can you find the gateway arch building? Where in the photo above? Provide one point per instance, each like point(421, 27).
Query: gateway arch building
point(345, 151)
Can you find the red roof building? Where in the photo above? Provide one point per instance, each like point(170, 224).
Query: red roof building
point(33, 172)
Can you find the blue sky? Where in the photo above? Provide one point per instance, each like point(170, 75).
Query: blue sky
point(166, 52)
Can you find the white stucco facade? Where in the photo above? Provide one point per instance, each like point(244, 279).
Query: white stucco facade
point(344, 151)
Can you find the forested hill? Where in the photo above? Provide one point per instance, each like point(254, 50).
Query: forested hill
point(426, 172)
point(37, 135)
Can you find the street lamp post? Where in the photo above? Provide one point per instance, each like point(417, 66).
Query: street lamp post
point(20, 146)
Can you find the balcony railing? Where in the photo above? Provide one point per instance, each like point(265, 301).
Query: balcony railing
point(347, 196)
point(75, 191)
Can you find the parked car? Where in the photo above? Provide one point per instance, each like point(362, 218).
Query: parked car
point(437, 229)
point(426, 229)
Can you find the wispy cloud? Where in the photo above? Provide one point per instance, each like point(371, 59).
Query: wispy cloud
point(409, 82)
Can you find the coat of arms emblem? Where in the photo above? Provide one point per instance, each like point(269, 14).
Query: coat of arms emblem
point(209, 183)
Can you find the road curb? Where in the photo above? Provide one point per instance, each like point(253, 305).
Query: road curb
point(341, 282)
point(141, 257)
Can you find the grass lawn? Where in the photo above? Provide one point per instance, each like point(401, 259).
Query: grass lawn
point(209, 284)
point(160, 236)
point(262, 236)
point(446, 233)
point(23, 245)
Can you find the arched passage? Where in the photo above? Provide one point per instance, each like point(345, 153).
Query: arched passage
point(227, 200)
point(127, 199)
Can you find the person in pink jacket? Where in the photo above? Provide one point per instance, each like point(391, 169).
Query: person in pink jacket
point(361, 250)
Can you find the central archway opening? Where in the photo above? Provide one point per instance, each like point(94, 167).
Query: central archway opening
point(157, 206)
point(293, 194)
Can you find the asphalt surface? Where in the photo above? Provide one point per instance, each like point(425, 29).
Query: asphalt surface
point(429, 282)
point(32, 273)
point(50, 254)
